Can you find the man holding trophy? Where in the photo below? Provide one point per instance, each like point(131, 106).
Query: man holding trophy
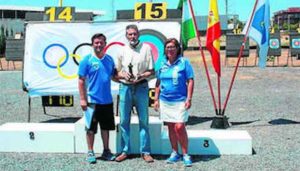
point(134, 65)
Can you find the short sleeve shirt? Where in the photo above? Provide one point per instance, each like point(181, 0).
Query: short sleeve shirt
point(98, 73)
point(173, 79)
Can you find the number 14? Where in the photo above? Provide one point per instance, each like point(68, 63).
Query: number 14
point(60, 13)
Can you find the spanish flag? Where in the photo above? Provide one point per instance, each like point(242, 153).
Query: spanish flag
point(213, 35)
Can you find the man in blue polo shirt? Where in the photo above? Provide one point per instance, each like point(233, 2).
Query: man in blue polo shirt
point(96, 71)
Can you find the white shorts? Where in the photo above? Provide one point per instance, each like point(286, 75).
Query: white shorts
point(173, 112)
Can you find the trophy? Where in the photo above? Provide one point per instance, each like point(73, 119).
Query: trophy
point(130, 71)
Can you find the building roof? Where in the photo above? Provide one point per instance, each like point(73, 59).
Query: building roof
point(289, 10)
point(30, 8)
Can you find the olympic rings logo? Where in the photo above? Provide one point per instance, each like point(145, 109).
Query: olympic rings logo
point(64, 59)
point(151, 37)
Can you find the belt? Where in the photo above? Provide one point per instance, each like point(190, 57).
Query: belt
point(138, 83)
point(142, 81)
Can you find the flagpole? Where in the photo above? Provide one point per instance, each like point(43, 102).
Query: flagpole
point(60, 3)
point(203, 56)
point(219, 94)
point(239, 58)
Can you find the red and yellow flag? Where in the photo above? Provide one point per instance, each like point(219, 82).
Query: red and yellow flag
point(213, 35)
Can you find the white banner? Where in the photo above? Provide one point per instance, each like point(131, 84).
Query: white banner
point(53, 51)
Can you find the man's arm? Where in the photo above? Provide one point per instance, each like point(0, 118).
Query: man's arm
point(148, 73)
point(145, 75)
point(82, 93)
point(115, 76)
point(123, 75)
point(156, 97)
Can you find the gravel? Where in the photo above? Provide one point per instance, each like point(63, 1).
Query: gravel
point(265, 102)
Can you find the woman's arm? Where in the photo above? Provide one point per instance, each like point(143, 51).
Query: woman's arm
point(190, 90)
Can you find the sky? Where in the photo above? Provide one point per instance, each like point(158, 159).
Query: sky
point(241, 7)
point(244, 7)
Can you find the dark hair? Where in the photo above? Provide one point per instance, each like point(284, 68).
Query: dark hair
point(176, 43)
point(98, 35)
point(132, 26)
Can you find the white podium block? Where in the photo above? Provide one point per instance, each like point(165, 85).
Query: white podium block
point(213, 142)
point(37, 137)
point(155, 125)
point(80, 139)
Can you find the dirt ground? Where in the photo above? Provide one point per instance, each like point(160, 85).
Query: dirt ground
point(195, 56)
point(282, 61)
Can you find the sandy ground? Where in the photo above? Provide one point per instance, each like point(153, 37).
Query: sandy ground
point(264, 102)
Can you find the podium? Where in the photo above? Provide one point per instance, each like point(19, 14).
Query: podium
point(71, 138)
point(213, 142)
point(37, 137)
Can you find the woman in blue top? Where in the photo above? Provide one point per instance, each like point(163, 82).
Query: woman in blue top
point(173, 96)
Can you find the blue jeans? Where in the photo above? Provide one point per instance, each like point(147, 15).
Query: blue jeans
point(138, 96)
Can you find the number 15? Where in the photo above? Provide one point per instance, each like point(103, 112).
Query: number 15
point(150, 11)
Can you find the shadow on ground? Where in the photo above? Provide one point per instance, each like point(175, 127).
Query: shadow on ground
point(282, 121)
point(243, 123)
point(194, 120)
point(62, 120)
point(196, 158)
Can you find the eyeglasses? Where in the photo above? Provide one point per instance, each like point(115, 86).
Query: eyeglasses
point(170, 47)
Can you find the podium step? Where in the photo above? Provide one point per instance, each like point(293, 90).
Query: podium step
point(115, 136)
point(155, 125)
point(80, 139)
point(37, 137)
point(71, 138)
point(213, 142)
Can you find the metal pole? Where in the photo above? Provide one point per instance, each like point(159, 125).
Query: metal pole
point(239, 58)
point(226, 8)
point(113, 9)
point(289, 23)
point(203, 56)
point(278, 23)
point(29, 108)
point(60, 3)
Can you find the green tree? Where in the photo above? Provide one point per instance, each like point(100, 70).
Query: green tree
point(2, 40)
point(276, 27)
point(285, 26)
point(294, 26)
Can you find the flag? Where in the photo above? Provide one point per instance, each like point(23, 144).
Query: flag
point(259, 29)
point(187, 25)
point(213, 35)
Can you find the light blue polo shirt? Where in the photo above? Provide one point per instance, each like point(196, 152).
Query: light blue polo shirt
point(98, 73)
point(173, 79)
